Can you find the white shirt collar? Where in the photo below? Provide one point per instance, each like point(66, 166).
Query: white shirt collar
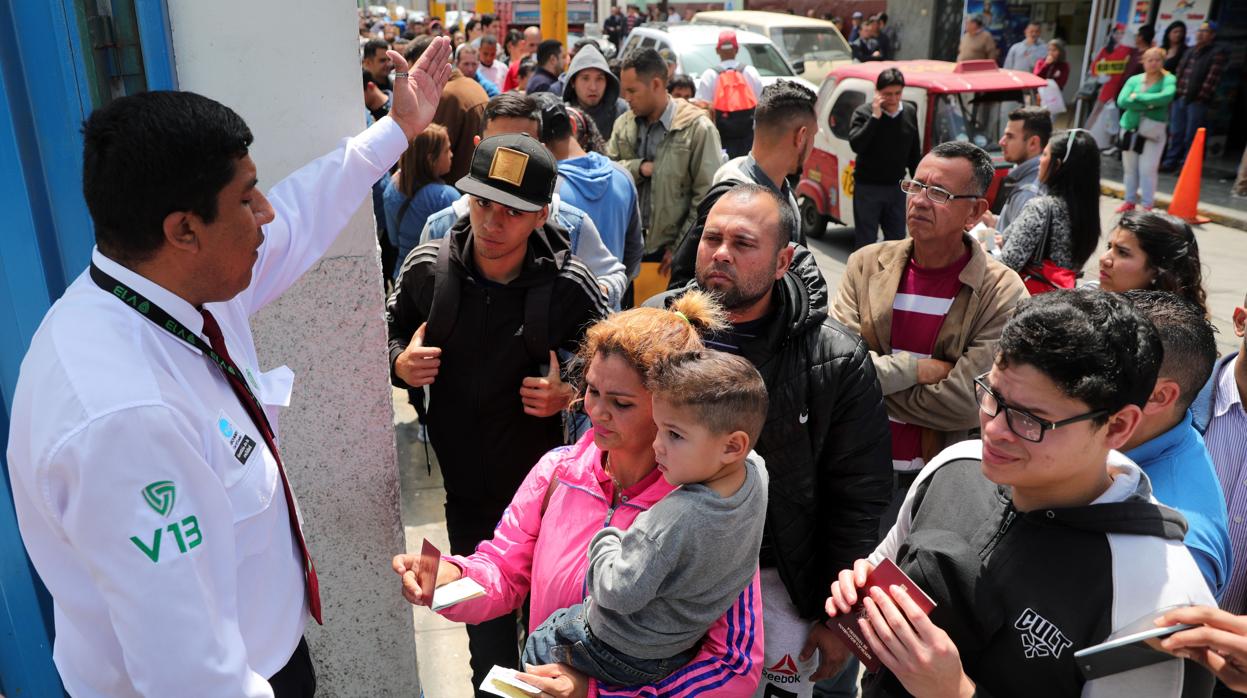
point(170, 302)
point(1227, 389)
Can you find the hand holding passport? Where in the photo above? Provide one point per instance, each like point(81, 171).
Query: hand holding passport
point(846, 625)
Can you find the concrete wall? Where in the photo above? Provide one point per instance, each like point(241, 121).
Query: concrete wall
point(928, 28)
point(291, 69)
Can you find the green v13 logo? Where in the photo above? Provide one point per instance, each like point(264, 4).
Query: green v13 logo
point(161, 496)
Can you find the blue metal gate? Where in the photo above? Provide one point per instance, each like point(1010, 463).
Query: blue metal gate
point(59, 59)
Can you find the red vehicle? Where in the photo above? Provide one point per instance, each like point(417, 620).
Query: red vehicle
point(966, 101)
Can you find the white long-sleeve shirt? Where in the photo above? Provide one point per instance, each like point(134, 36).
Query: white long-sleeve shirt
point(167, 548)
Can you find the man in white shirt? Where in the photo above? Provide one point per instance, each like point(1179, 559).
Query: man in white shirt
point(491, 67)
point(146, 477)
point(727, 48)
point(1026, 53)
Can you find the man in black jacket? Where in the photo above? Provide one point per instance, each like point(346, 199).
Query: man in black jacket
point(826, 440)
point(477, 316)
point(884, 136)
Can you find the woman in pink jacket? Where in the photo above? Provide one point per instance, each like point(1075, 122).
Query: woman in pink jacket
point(606, 479)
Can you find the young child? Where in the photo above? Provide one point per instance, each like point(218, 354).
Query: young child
point(656, 588)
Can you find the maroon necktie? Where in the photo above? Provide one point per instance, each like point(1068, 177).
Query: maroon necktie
point(213, 330)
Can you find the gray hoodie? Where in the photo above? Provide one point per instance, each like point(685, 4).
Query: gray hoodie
point(611, 106)
point(656, 588)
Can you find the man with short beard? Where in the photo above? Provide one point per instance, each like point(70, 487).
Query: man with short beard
point(825, 442)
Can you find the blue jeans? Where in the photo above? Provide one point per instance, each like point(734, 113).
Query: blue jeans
point(566, 638)
point(1185, 118)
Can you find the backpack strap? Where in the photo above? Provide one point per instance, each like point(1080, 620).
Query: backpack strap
point(444, 308)
point(537, 323)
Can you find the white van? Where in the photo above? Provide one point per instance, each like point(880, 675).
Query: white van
point(812, 46)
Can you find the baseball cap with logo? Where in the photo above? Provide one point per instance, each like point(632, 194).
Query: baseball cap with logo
point(727, 39)
point(513, 170)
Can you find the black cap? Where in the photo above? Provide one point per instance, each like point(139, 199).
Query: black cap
point(513, 170)
point(555, 122)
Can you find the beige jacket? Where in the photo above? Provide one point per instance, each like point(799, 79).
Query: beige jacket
point(990, 293)
point(684, 168)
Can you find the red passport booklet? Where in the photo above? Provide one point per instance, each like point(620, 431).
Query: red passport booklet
point(426, 570)
point(846, 627)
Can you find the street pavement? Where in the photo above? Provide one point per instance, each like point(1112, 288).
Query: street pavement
point(441, 645)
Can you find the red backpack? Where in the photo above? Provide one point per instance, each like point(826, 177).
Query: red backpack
point(734, 102)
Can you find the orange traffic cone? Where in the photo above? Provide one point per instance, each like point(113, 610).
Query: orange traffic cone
point(1185, 202)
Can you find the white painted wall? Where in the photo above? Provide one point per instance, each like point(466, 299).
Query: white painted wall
point(291, 69)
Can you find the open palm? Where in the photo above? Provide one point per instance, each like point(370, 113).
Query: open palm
point(415, 97)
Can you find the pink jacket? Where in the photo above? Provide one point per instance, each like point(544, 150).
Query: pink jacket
point(554, 550)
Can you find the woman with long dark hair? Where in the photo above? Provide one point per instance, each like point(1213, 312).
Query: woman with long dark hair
point(1154, 251)
point(1174, 43)
point(417, 191)
point(1063, 225)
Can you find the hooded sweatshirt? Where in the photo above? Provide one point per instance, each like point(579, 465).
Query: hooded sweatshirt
point(594, 184)
point(1020, 592)
point(611, 106)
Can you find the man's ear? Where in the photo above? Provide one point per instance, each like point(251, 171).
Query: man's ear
point(180, 229)
point(976, 212)
point(1240, 321)
point(542, 216)
point(1163, 397)
point(783, 261)
point(476, 140)
point(1121, 426)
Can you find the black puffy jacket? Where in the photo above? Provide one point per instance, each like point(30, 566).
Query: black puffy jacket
point(827, 444)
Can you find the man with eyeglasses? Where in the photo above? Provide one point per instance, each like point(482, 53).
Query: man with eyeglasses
point(931, 309)
point(1040, 539)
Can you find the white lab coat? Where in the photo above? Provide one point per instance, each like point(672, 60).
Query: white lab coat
point(108, 404)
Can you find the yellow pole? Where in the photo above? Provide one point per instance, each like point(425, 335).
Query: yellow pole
point(437, 9)
point(484, 7)
point(554, 20)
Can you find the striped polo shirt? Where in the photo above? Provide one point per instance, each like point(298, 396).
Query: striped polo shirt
point(1226, 439)
point(922, 301)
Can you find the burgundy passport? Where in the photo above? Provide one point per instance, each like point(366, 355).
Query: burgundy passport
point(426, 571)
point(846, 627)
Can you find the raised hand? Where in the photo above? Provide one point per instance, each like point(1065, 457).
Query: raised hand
point(418, 364)
point(418, 89)
point(545, 397)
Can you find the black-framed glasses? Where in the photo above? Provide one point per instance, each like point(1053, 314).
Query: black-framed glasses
point(1021, 422)
point(936, 195)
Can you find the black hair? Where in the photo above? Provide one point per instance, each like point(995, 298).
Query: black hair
point(583, 43)
point(1096, 347)
point(1076, 180)
point(151, 154)
point(487, 19)
point(980, 161)
point(374, 45)
point(682, 80)
point(787, 217)
point(1164, 40)
point(1036, 121)
point(1147, 32)
point(587, 133)
point(548, 49)
point(513, 36)
point(782, 103)
point(1185, 334)
point(889, 77)
point(647, 63)
point(512, 105)
point(977, 19)
point(1172, 252)
point(417, 48)
point(527, 67)
point(489, 40)
point(471, 24)
point(883, 17)
point(556, 123)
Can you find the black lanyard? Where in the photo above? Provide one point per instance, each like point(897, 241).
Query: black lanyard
point(163, 319)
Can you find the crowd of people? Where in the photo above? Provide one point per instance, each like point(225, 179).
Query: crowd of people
point(673, 453)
